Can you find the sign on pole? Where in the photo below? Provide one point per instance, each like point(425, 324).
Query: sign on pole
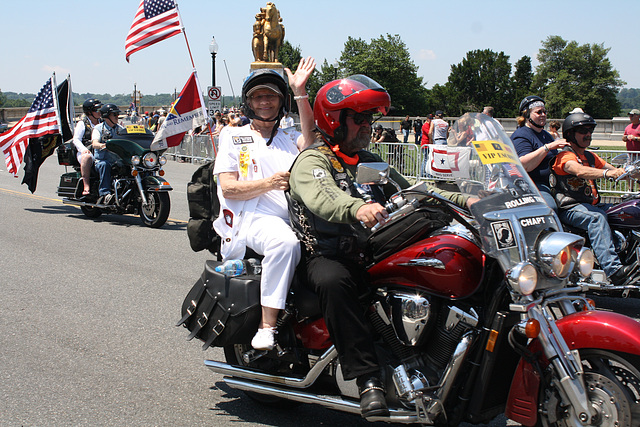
point(214, 97)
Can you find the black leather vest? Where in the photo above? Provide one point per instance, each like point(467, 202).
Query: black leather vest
point(321, 237)
point(569, 190)
point(86, 138)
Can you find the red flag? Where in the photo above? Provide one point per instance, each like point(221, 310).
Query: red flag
point(41, 119)
point(185, 114)
point(155, 21)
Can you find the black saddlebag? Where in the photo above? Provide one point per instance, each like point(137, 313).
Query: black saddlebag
point(221, 310)
point(67, 154)
point(69, 184)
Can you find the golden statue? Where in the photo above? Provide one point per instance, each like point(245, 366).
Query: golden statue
point(268, 34)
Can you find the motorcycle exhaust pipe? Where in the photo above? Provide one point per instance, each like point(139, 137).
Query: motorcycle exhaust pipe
point(240, 372)
point(400, 416)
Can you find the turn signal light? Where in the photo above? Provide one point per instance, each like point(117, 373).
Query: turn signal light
point(532, 328)
point(161, 172)
point(590, 305)
point(134, 173)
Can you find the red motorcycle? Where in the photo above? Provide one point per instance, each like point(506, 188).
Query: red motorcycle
point(471, 320)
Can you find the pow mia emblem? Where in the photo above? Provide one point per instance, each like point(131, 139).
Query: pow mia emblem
point(319, 173)
point(522, 186)
point(503, 235)
point(344, 185)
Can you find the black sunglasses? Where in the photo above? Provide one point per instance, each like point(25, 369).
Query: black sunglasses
point(360, 118)
point(584, 130)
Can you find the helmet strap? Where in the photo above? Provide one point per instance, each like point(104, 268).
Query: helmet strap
point(534, 124)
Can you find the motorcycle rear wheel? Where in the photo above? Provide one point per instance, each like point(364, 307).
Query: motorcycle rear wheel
point(155, 213)
point(233, 356)
point(613, 388)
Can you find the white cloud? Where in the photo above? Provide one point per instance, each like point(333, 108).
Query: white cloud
point(427, 55)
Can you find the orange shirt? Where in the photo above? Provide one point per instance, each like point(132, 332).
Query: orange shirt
point(565, 156)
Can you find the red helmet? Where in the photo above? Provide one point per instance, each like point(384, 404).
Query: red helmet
point(358, 93)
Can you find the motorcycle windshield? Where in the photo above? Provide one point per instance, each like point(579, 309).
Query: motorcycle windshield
point(509, 210)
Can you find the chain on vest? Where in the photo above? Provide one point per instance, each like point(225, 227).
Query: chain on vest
point(321, 237)
point(569, 190)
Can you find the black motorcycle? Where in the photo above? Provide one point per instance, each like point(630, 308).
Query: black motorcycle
point(136, 179)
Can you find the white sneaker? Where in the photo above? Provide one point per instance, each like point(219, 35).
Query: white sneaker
point(264, 339)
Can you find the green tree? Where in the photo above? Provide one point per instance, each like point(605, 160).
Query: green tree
point(482, 78)
point(572, 75)
point(629, 99)
point(3, 99)
point(387, 61)
point(520, 84)
point(290, 57)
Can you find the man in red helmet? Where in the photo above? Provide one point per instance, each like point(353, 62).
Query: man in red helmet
point(328, 212)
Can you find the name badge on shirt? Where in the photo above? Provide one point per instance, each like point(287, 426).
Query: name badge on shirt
point(242, 140)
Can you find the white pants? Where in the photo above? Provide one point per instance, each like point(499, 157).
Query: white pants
point(272, 237)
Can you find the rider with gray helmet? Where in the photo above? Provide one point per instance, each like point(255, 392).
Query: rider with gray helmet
point(104, 159)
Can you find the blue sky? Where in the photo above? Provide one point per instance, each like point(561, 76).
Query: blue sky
point(86, 39)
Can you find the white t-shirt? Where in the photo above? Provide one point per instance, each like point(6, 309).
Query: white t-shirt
point(244, 151)
point(439, 127)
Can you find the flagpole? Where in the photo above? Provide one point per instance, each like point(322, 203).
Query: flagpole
point(56, 103)
point(204, 110)
point(71, 107)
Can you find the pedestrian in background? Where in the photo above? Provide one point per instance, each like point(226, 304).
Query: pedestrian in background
point(417, 129)
point(632, 131)
point(405, 125)
point(554, 126)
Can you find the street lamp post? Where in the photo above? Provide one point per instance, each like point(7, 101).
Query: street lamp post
point(213, 48)
point(335, 70)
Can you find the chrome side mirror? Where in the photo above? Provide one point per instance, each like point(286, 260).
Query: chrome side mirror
point(373, 173)
point(620, 160)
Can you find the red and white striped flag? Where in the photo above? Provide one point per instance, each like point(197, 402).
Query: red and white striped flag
point(155, 21)
point(41, 119)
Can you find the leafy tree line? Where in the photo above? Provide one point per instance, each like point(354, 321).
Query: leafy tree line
point(569, 75)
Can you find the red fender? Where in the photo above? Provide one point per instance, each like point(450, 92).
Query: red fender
point(587, 329)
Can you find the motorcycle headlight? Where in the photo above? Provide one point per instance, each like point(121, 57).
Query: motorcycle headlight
point(135, 160)
point(523, 278)
point(557, 253)
point(585, 262)
point(150, 160)
point(162, 160)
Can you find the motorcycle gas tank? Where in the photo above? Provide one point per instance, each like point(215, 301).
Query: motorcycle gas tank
point(625, 214)
point(447, 265)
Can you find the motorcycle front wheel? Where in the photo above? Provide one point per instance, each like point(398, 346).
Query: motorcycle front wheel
point(613, 388)
point(233, 356)
point(155, 213)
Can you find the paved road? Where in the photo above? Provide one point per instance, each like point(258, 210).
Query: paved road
point(87, 310)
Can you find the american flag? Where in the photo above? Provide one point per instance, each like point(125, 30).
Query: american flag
point(41, 119)
point(155, 21)
point(512, 170)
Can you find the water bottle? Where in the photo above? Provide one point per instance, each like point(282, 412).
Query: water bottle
point(253, 266)
point(231, 268)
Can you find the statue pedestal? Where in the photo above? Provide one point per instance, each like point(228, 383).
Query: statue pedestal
point(276, 66)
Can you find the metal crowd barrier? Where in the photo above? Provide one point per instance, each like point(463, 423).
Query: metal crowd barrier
point(408, 159)
point(194, 148)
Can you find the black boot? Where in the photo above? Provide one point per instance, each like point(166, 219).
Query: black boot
point(622, 274)
point(372, 401)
